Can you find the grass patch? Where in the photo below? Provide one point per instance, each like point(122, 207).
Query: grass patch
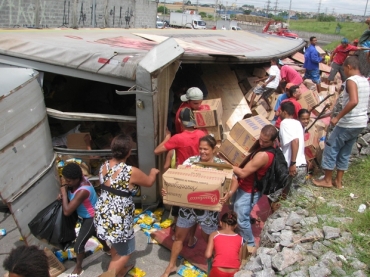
point(350, 30)
point(356, 181)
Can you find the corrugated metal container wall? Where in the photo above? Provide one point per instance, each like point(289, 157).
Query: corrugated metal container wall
point(26, 152)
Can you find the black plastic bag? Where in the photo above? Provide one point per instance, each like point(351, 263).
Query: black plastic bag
point(64, 229)
point(42, 226)
point(53, 226)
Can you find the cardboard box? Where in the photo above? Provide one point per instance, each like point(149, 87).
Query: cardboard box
point(210, 117)
point(55, 266)
point(259, 72)
point(273, 99)
point(323, 85)
point(217, 131)
point(311, 143)
point(308, 99)
point(260, 110)
point(225, 170)
point(233, 152)
point(77, 140)
point(247, 131)
point(247, 252)
point(193, 188)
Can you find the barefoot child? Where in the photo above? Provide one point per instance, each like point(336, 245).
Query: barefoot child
point(226, 246)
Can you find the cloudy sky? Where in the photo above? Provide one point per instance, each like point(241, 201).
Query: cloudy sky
point(339, 6)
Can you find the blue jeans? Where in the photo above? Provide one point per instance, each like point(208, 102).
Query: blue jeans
point(338, 148)
point(243, 207)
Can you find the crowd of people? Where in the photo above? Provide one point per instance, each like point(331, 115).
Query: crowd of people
point(110, 216)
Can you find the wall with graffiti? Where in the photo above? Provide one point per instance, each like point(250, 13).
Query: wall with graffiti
point(78, 13)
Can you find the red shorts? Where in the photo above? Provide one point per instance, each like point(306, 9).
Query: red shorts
point(215, 272)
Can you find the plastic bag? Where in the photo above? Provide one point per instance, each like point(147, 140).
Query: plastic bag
point(42, 225)
point(53, 226)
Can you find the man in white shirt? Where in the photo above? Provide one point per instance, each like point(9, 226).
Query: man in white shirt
point(269, 86)
point(292, 144)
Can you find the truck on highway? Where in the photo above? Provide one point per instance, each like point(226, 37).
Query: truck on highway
point(187, 20)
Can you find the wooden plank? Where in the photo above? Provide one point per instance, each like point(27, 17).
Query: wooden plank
point(300, 58)
point(221, 82)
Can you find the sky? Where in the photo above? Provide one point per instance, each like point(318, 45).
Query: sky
point(339, 6)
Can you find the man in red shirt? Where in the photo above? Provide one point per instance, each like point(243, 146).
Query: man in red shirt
point(289, 75)
point(294, 95)
point(185, 143)
point(246, 198)
point(193, 100)
point(338, 56)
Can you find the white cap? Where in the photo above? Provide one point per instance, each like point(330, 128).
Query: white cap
point(192, 94)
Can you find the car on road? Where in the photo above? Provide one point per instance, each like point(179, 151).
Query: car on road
point(159, 25)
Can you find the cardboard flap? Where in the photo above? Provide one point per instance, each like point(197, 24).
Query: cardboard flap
point(55, 266)
point(215, 165)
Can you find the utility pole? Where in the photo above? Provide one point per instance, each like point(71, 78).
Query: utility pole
point(276, 5)
point(268, 6)
point(318, 10)
point(333, 11)
point(290, 8)
point(326, 10)
point(365, 10)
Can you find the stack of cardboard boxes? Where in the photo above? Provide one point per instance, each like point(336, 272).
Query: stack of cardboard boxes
point(242, 137)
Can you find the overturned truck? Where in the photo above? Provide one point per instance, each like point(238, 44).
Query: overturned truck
point(100, 82)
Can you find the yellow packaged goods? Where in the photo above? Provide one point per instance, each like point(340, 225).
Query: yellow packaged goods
point(211, 116)
point(165, 224)
point(308, 99)
point(193, 189)
point(136, 272)
point(216, 131)
point(247, 131)
point(233, 152)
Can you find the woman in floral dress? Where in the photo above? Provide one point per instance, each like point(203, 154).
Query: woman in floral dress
point(114, 211)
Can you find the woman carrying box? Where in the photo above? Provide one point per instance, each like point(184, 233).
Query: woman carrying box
point(188, 217)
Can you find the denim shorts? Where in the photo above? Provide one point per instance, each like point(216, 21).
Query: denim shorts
point(125, 248)
point(338, 148)
point(314, 75)
point(208, 220)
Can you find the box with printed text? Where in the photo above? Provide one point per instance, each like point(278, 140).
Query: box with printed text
point(192, 188)
point(233, 152)
point(247, 131)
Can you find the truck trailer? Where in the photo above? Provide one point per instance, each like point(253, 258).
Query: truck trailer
point(186, 20)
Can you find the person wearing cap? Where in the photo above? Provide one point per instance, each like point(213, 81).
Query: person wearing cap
point(294, 94)
point(193, 100)
point(338, 56)
point(289, 75)
point(270, 84)
point(355, 42)
point(311, 63)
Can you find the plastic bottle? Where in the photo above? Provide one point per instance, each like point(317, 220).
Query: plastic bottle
point(2, 232)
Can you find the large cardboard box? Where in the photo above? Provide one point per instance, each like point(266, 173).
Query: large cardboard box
point(247, 131)
point(260, 110)
point(233, 152)
point(216, 131)
point(311, 144)
point(225, 170)
point(193, 188)
point(210, 117)
point(308, 99)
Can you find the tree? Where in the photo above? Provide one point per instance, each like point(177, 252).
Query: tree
point(247, 12)
point(163, 10)
point(203, 14)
